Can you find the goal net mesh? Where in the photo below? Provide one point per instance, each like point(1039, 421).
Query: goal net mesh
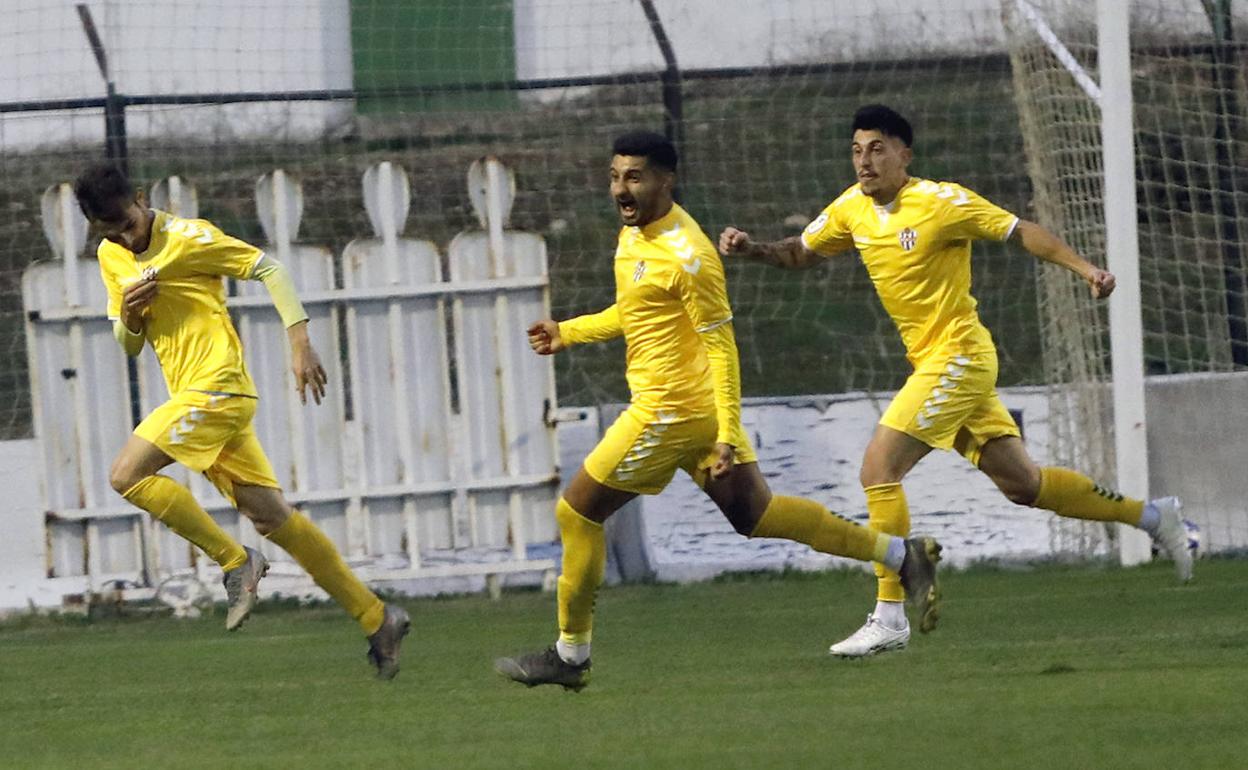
point(1187, 86)
point(326, 89)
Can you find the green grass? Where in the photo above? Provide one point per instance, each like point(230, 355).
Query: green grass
point(1057, 667)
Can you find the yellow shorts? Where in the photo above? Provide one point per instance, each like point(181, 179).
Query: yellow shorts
point(640, 453)
point(211, 434)
point(950, 402)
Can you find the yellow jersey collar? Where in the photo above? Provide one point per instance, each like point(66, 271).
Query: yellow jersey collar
point(891, 206)
point(663, 223)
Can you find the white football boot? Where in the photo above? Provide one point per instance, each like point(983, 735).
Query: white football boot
point(1171, 535)
point(873, 638)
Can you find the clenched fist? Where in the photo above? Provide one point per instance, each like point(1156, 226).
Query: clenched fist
point(544, 338)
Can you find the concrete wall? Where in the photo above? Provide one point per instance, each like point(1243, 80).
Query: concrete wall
point(187, 46)
point(1198, 450)
point(175, 47)
point(812, 447)
point(558, 38)
point(23, 564)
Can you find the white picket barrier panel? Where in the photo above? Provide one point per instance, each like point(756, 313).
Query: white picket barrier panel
point(80, 403)
point(304, 442)
point(407, 487)
point(506, 394)
point(428, 480)
point(401, 388)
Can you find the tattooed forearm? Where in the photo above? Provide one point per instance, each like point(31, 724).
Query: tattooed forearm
point(788, 253)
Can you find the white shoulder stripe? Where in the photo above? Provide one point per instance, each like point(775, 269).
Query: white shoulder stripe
point(708, 327)
point(256, 265)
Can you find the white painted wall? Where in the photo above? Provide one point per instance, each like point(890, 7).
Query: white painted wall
point(812, 448)
point(816, 451)
point(560, 38)
point(557, 38)
point(23, 567)
point(191, 46)
point(175, 47)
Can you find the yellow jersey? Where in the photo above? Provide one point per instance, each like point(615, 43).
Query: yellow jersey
point(187, 323)
point(917, 251)
point(671, 305)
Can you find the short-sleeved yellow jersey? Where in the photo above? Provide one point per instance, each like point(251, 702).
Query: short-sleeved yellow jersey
point(669, 290)
point(187, 323)
point(917, 251)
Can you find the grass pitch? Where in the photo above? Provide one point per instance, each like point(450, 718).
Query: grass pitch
point(1054, 667)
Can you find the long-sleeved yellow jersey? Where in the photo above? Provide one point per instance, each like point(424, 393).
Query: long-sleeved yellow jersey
point(187, 323)
point(671, 305)
point(918, 253)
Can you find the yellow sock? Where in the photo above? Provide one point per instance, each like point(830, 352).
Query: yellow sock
point(317, 554)
point(805, 521)
point(887, 512)
point(584, 565)
point(1071, 494)
point(174, 506)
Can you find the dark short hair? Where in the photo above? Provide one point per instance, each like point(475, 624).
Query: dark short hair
point(886, 120)
point(655, 148)
point(103, 191)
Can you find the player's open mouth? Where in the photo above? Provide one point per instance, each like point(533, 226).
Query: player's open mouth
point(627, 208)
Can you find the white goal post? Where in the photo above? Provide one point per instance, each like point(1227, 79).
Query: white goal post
point(1122, 254)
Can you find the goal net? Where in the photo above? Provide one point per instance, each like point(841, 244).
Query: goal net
point(1187, 84)
point(759, 97)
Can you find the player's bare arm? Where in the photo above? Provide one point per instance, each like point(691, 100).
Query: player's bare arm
point(544, 337)
point(789, 253)
point(305, 364)
point(1044, 245)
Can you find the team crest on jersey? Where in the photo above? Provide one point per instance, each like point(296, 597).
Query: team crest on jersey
point(639, 271)
point(908, 238)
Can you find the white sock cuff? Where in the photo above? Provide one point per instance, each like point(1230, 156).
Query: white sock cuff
point(1150, 518)
point(896, 553)
point(890, 614)
point(575, 654)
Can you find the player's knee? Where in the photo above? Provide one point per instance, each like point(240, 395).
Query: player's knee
point(873, 475)
point(1020, 490)
point(743, 518)
point(267, 520)
point(123, 476)
point(746, 505)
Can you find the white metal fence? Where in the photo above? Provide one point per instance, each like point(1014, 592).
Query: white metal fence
point(408, 486)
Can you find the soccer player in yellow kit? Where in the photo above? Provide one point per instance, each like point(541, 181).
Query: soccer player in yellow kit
point(164, 276)
point(914, 236)
point(672, 309)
